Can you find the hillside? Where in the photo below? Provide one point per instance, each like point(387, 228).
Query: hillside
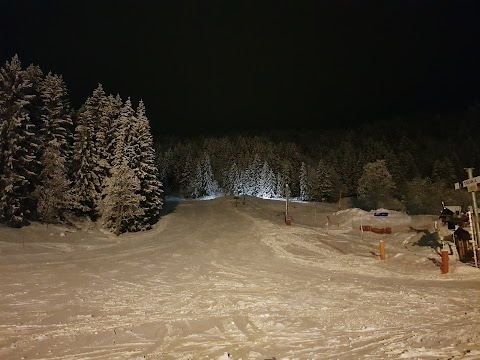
point(221, 275)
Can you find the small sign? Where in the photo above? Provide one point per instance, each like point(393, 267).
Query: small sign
point(472, 187)
point(475, 180)
point(381, 214)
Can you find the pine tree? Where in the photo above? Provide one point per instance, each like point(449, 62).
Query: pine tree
point(144, 166)
point(53, 194)
point(234, 180)
point(121, 202)
point(166, 168)
point(121, 199)
point(280, 189)
point(231, 182)
point(186, 177)
point(19, 145)
point(303, 182)
point(209, 184)
point(252, 176)
point(375, 185)
point(444, 172)
point(324, 188)
point(348, 166)
point(86, 182)
point(111, 108)
point(266, 185)
point(35, 76)
point(196, 188)
point(57, 124)
point(90, 167)
point(287, 178)
point(226, 183)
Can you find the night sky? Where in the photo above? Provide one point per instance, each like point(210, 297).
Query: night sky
point(204, 66)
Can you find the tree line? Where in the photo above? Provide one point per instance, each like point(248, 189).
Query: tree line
point(101, 160)
point(98, 161)
point(406, 166)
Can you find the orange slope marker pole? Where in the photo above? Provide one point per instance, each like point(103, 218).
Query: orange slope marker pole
point(382, 250)
point(444, 267)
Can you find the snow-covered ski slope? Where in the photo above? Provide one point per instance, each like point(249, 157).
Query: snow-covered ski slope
point(215, 276)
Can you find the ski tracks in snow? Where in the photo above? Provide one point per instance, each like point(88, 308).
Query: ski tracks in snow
point(213, 279)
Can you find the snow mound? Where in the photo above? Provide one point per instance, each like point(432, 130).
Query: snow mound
point(225, 356)
point(379, 218)
point(466, 269)
point(346, 218)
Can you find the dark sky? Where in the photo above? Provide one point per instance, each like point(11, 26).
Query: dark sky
point(232, 65)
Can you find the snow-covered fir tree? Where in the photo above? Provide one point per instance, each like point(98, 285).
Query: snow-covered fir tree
point(120, 196)
point(111, 107)
point(100, 114)
point(121, 201)
point(347, 165)
point(57, 130)
point(252, 176)
point(196, 188)
point(36, 77)
point(236, 180)
point(324, 185)
point(90, 146)
point(287, 177)
point(19, 145)
point(209, 184)
point(145, 168)
point(53, 194)
point(38, 139)
point(266, 185)
point(166, 168)
point(232, 183)
point(303, 182)
point(280, 188)
point(187, 176)
point(86, 183)
point(203, 182)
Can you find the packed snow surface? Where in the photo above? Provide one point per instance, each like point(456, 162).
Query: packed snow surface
point(221, 279)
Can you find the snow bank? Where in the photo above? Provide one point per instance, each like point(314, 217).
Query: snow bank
point(379, 218)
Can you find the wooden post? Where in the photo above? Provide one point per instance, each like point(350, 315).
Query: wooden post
point(382, 250)
point(287, 194)
point(444, 267)
point(119, 219)
point(474, 243)
point(475, 210)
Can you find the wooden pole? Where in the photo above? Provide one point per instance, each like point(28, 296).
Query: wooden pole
point(475, 208)
point(119, 219)
point(287, 193)
point(474, 243)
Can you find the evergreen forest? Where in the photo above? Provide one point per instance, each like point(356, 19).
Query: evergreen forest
point(102, 162)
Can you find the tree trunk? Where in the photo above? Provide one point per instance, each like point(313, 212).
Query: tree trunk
point(119, 219)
